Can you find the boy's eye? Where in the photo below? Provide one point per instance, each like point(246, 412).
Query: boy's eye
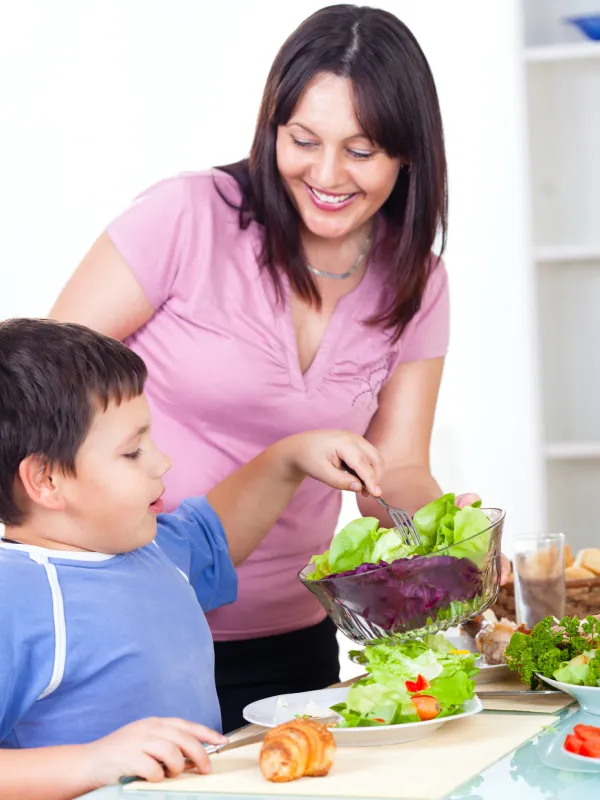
point(133, 455)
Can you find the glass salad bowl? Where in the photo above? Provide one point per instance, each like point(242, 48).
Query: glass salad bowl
point(413, 597)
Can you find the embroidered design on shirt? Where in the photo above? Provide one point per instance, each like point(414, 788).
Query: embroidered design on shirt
point(372, 384)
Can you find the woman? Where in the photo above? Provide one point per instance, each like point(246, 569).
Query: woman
point(294, 290)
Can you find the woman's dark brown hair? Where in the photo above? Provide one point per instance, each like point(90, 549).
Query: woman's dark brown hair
point(397, 107)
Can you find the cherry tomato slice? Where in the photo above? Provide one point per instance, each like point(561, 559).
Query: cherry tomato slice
point(590, 748)
point(427, 706)
point(587, 732)
point(573, 744)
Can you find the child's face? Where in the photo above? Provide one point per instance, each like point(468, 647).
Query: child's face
point(115, 496)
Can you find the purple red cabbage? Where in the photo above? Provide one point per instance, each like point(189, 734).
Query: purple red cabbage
point(403, 595)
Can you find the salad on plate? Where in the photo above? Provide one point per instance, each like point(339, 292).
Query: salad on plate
point(413, 681)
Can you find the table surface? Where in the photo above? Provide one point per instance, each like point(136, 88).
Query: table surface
point(537, 770)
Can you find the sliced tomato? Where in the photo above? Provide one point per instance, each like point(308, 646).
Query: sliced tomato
point(378, 719)
point(587, 732)
point(427, 706)
point(590, 747)
point(420, 685)
point(573, 743)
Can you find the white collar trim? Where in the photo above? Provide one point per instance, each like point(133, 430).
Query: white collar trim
point(68, 555)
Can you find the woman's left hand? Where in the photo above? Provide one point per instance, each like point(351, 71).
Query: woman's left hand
point(463, 500)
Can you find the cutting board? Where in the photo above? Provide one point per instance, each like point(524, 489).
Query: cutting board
point(425, 770)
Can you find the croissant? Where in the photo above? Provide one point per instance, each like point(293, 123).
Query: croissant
point(302, 747)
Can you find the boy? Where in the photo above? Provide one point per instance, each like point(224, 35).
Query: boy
point(104, 648)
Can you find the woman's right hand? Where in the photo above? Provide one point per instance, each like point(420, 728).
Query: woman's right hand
point(153, 749)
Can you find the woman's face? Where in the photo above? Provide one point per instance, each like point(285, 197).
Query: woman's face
point(337, 178)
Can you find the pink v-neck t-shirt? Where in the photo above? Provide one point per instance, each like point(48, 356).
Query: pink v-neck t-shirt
point(225, 382)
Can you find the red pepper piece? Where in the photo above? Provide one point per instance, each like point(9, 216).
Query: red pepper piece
point(420, 685)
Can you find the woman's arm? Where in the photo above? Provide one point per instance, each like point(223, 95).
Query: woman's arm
point(250, 500)
point(104, 294)
point(401, 431)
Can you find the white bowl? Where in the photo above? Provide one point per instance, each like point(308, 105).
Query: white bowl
point(588, 697)
point(268, 713)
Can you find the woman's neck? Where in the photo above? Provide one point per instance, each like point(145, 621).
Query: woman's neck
point(337, 256)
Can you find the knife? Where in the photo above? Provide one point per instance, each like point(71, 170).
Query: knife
point(518, 692)
point(249, 737)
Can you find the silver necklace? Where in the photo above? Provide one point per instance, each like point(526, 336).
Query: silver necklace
point(336, 276)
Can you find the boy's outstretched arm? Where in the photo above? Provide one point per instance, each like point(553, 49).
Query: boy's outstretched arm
point(250, 500)
point(151, 748)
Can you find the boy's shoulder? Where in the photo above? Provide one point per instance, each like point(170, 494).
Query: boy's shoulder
point(23, 580)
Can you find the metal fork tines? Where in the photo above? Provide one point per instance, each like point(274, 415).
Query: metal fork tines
point(401, 518)
point(403, 522)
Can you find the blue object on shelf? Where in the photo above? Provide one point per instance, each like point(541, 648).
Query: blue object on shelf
point(590, 25)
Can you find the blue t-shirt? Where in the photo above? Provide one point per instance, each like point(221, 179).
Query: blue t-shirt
point(90, 642)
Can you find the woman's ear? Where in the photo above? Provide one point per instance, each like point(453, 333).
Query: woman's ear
point(41, 483)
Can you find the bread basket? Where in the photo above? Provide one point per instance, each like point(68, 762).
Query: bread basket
point(583, 598)
point(582, 594)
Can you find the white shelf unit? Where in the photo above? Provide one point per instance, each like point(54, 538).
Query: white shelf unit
point(551, 53)
point(562, 71)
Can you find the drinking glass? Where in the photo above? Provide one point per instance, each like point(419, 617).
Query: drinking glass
point(539, 574)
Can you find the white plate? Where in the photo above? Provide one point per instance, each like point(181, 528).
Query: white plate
point(588, 697)
point(268, 713)
point(587, 760)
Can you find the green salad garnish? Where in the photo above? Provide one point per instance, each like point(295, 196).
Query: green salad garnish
point(567, 651)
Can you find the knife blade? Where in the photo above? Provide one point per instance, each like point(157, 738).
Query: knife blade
point(518, 692)
point(248, 738)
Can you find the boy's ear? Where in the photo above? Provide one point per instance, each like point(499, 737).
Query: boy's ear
point(41, 483)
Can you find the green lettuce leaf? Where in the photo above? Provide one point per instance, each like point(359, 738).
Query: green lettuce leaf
point(389, 546)
point(353, 545)
point(322, 568)
point(427, 520)
point(468, 522)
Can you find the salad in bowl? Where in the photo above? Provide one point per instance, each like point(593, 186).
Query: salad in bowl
point(374, 586)
point(564, 654)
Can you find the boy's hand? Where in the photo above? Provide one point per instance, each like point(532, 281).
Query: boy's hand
point(152, 748)
point(319, 454)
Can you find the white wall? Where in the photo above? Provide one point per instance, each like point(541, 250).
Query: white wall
point(100, 98)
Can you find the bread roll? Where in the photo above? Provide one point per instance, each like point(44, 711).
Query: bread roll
point(589, 559)
point(302, 747)
point(569, 560)
point(574, 573)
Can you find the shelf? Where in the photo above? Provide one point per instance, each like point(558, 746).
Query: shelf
point(571, 451)
point(572, 508)
point(566, 254)
point(552, 53)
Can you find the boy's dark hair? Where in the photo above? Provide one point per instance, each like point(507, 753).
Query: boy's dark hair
point(54, 377)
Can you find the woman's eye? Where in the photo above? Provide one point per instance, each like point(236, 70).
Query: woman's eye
point(362, 154)
point(132, 456)
point(303, 142)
